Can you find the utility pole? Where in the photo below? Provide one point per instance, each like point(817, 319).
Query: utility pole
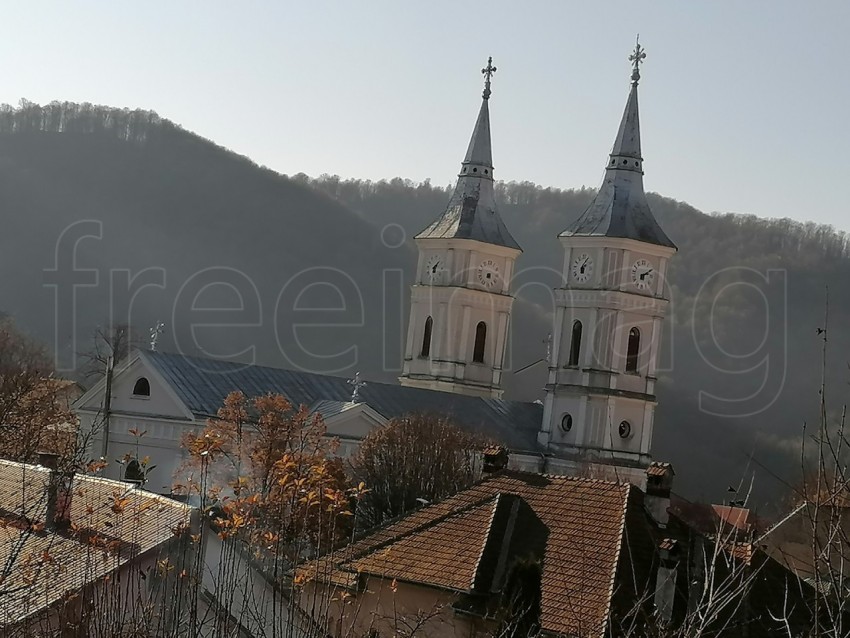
point(107, 400)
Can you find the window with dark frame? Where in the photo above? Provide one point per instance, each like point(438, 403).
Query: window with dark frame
point(575, 344)
point(480, 342)
point(426, 338)
point(633, 350)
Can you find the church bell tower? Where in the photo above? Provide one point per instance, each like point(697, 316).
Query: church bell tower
point(460, 305)
point(600, 394)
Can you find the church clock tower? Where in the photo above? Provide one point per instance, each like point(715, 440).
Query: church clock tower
point(460, 305)
point(600, 395)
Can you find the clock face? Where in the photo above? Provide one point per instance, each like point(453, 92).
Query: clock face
point(582, 268)
point(488, 273)
point(434, 268)
point(643, 274)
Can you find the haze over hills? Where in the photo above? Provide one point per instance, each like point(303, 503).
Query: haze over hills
point(315, 274)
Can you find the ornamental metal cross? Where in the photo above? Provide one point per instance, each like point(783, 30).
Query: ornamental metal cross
point(155, 332)
point(636, 58)
point(357, 383)
point(488, 72)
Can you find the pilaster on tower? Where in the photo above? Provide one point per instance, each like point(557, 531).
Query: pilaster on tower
point(461, 301)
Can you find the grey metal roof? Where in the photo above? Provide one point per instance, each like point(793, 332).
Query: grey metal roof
point(202, 384)
point(471, 212)
point(620, 208)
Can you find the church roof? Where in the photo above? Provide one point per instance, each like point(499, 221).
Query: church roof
point(471, 212)
point(202, 384)
point(620, 208)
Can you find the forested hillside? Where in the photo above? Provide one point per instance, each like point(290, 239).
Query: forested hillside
point(110, 214)
point(176, 214)
point(742, 350)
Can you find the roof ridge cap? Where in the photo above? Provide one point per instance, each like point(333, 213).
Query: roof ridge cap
point(584, 479)
point(617, 555)
point(489, 530)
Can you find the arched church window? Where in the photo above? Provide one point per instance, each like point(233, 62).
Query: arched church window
point(575, 344)
point(480, 342)
point(142, 388)
point(426, 338)
point(633, 350)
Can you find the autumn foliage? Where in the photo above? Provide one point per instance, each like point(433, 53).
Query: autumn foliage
point(268, 475)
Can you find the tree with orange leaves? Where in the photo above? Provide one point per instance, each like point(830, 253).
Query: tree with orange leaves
point(267, 473)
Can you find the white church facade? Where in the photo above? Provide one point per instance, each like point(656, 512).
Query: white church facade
point(597, 415)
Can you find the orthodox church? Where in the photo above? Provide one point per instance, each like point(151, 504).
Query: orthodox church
point(598, 412)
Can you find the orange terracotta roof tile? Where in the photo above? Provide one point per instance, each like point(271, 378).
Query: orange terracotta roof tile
point(656, 468)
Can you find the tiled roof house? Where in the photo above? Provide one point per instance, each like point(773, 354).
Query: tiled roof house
point(605, 563)
point(592, 539)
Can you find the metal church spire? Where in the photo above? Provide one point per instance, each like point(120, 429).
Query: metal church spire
point(620, 208)
point(471, 212)
point(626, 152)
point(479, 155)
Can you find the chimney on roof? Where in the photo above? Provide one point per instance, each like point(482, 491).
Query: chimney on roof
point(495, 458)
point(659, 484)
point(58, 512)
point(665, 583)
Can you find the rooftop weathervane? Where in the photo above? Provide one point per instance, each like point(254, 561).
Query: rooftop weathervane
point(488, 72)
point(636, 58)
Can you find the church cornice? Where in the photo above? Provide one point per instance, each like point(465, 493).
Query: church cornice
point(601, 391)
point(469, 296)
point(619, 243)
point(610, 300)
point(627, 458)
point(473, 245)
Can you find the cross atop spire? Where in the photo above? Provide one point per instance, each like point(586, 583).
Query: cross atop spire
point(488, 72)
point(636, 58)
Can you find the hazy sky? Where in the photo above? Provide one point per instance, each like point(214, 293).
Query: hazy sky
point(744, 105)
